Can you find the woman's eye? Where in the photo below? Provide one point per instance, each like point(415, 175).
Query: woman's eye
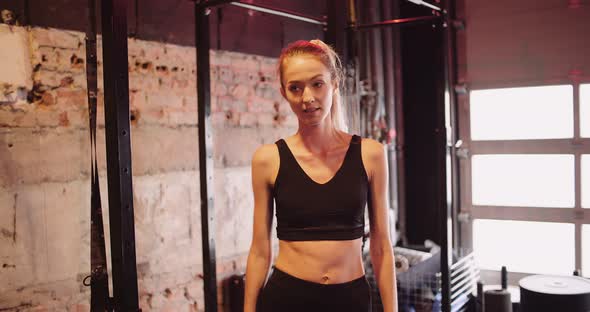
point(293, 88)
point(318, 84)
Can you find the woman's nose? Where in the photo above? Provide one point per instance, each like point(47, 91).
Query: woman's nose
point(307, 96)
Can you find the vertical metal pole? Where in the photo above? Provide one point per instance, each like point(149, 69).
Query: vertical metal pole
point(205, 156)
point(342, 38)
point(118, 144)
point(376, 51)
point(390, 59)
point(398, 112)
point(451, 174)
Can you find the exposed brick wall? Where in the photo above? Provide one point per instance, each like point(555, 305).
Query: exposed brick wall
point(45, 159)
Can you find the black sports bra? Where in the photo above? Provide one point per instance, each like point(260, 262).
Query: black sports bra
point(307, 210)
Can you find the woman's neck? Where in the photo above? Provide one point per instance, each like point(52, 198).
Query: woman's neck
point(320, 138)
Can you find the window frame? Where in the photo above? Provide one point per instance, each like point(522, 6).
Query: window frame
point(576, 146)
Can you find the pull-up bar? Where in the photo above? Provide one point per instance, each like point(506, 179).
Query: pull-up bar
point(399, 22)
point(322, 21)
point(267, 9)
point(426, 4)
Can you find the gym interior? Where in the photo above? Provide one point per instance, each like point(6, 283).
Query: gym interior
point(127, 130)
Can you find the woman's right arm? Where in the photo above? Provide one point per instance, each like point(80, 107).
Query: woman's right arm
point(259, 258)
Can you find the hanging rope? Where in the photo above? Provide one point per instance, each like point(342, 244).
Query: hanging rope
point(99, 287)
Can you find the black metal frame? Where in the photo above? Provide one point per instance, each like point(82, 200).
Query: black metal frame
point(203, 81)
point(202, 36)
point(119, 149)
point(205, 156)
point(118, 146)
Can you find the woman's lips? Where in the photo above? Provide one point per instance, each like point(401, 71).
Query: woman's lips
point(311, 110)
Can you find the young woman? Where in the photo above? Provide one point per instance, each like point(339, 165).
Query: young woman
point(320, 179)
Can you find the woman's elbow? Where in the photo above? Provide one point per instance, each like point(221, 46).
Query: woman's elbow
point(259, 252)
point(380, 249)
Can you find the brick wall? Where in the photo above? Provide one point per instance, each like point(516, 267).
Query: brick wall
point(45, 159)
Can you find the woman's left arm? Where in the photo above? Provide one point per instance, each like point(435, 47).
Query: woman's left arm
point(381, 249)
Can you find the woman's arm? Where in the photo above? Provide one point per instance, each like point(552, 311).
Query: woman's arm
point(260, 254)
point(381, 249)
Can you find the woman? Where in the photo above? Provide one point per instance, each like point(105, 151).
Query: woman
point(320, 178)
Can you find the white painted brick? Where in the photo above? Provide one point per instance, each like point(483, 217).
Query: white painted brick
point(231, 155)
point(266, 119)
point(15, 57)
point(248, 120)
point(154, 51)
point(17, 118)
point(246, 78)
point(182, 117)
point(239, 208)
point(134, 47)
point(220, 89)
point(240, 91)
point(65, 206)
point(266, 91)
point(244, 62)
point(269, 66)
point(165, 153)
point(71, 99)
point(284, 107)
point(158, 149)
point(161, 100)
point(218, 119)
point(143, 82)
point(28, 254)
point(219, 58)
point(20, 149)
point(62, 154)
point(291, 120)
point(51, 78)
point(51, 37)
point(225, 74)
point(214, 104)
point(261, 105)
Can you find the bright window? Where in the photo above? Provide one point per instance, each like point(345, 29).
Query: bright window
point(585, 110)
point(523, 180)
point(544, 112)
point(523, 246)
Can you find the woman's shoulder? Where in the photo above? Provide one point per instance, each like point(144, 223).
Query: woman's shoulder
point(371, 146)
point(373, 153)
point(265, 155)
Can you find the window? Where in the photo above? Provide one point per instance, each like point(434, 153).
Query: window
point(523, 180)
point(522, 113)
point(525, 164)
point(522, 246)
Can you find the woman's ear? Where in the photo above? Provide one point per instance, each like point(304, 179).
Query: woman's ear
point(282, 92)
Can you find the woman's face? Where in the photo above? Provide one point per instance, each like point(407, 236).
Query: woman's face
point(308, 88)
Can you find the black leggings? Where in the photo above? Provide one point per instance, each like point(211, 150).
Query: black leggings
point(285, 293)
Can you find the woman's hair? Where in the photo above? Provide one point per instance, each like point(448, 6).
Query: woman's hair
point(330, 59)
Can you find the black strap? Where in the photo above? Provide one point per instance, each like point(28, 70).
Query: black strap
point(99, 287)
